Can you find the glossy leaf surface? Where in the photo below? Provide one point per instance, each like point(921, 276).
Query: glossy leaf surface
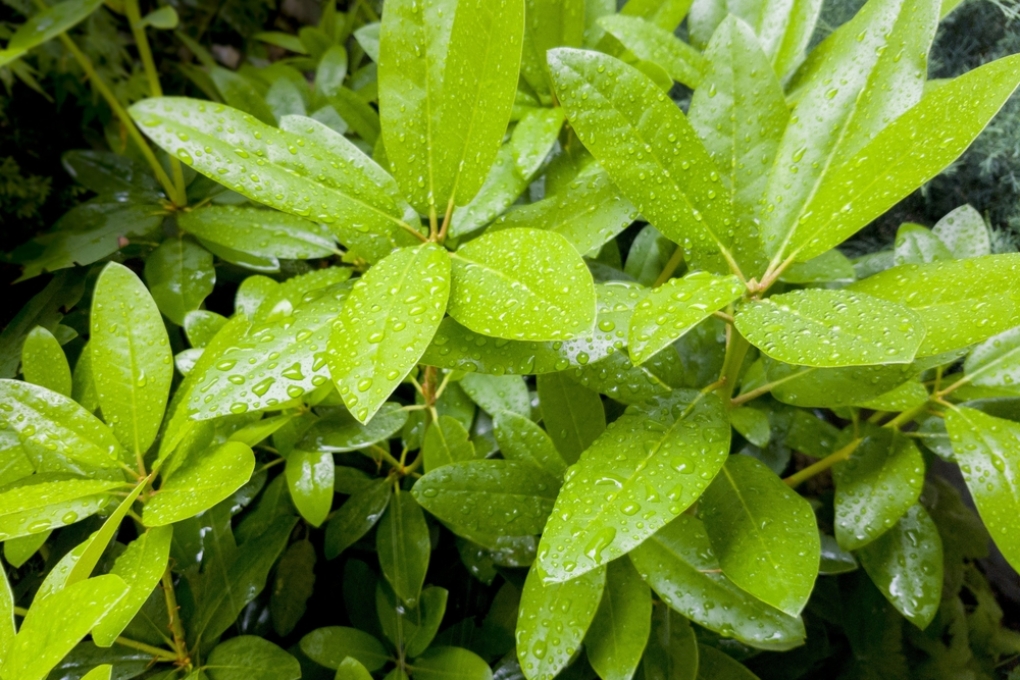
point(44, 363)
point(199, 484)
point(619, 632)
point(263, 233)
point(402, 541)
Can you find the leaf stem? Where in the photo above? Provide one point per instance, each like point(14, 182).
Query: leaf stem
point(823, 464)
point(176, 627)
point(444, 230)
point(385, 455)
point(736, 349)
point(675, 260)
point(764, 389)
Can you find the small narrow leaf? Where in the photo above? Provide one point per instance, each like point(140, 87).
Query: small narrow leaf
point(619, 633)
point(249, 657)
point(44, 363)
point(402, 541)
point(522, 440)
point(200, 484)
point(310, 480)
point(356, 516)
point(263, 233)
point(574, 416)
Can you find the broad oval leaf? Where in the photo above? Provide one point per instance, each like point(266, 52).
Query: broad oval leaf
point(763, 532)
point(310, 480)
point(402, 541)
point(330, 646)
point(521, 439)
point(131, 358)
point(831, 328)
point(522, 284)
point(642, 472)
point(199, 484)
point(553, 620)
point(249, 657)
point(619, 632)
point(964, 232)
point(44, 363)
point(451, 663)
point(996, 361)
point(498, 393)
point(386, 323)
point(263, 233)
point(180, 275)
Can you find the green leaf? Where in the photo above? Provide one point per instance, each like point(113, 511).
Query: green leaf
point(498, 393)
point(988, 451)
point(249, 657)
point(44, 363)
point(831, 266)
point(356, 516)
point(7, 626)
point(180, 275)
point(109, 173)
point(131, 357)
point(357, 113)
point(331, 71)
point(679, 565)
point(310, 480)
point(907, 396)
point(617, 112)
point(239, 92)
point(46, 309)
point(402, 541)
point(714, 664)
point(522, 284)
point(676, 307)
point(553, 620)
point(831, 387)
point(411, 629)
point(296, 174)
point(906, 564)
point(163, 18)
point(996, 361)
point(880, 481)
point(352, 669)
point(54, 625)
point(841, 91)
point(672, 651)
point(447, 78)
point(752, 424)
point(451, 663)
point(877, 176)
point(550, 23)
point(47, 24)
point(918, 245)
point(964, 232)
point(574, 416)
point(263, 233)
point(522, 440)
point(337, 431)
point(385, 325)
point(644, 470)
point(835, 560)
point(658, 45)
point(330, 646)
point(280, 39)
point(293, 585)
point(622, 624)
point(446, 441)
point(105, 671)
point(485, 500)
point(763, 532)
point(46, 501)
point(952, 298)
point(831, 328)
point(42, 419)
point(368, 37)
point(141, 566)
point(200, 484)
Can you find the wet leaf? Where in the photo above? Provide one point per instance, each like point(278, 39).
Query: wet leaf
point(573, 415)
point(356, 517)
point(752, 424)
point(262, 233)
point(653, 43)
point(200, 484)
point(964, 232)
point(996, 361)
point(45, 25)
point(180, 275)
point(337, 431)
point(386, 323)
point(451, 663)
point(714, 664)
point(522, 440)
point(446, 441)
point(402, 541)
point(619, 632)
point(498, 393)
point(248, 657)
point(918, 245)
point(330, 646)
point(44, 363)
point(310, 480)
point(672, 651)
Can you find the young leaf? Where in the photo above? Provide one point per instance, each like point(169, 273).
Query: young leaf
point(402, 541)
point(619, 632)
point(988, 451)
point(310, 480)
point(642, 472)
point(105, 671)
point(964, 232)
point(679, 565)
point(648, 148)
point(263, 233)
point(522, 440)
point(386, 324)
point(498, 393)
point(906, 565)
point(180, 275)
point(447, 77)
point(522, 284)
point(451, 663)
point(356, 516)
point(670, 310)
point(996, 361)
point(446, 441)
point(131, 358)
point(8, 629)
point(918, 245)
point(249, 657)
point(200, 484)
point(485, 500)
point(658, 45)
point(553, 620)
point(330, 646)
point(239, 92)
point(574, 416)
point(880, 481)
point(952, 298)
point(44, 363)
point(831, 328)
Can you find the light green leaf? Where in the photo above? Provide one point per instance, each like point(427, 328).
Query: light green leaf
point(310, 480)
point(521, 439)
point(752, 424)
point(331, 71)
point(263, 233)
point(131, 358)
point(840, 106)
point(446, 441)
point(831, 266)
point(386, 323)
point(918, 245)
point(46, 501)
point(352, 669)
point(574, 416)
point(903, 156)
point(7, 626)
point(831, 328)
point(180, 275)
point(498, 393)
point(964, 232)
point(402, 541)
point(281, 39)
point(163, 18)
point(954, 298)
point(356, 516)
point(907, 396)
point(996, 361)
point(644, 470)
point(618, 112)
point(338, 432)
point(56, 624)
point(451, 663)
point(658, 45)
point(200, 484)
point(141, 566)
point(714, 664)
point(330, 646)
point(368, 37)
point(740, 113)
point(875, 486)
point(666, 14)
point(550, 23)
point(619, 632)
point(906, 564)
point(763, 532)
point(361, 117)
point(44, 363)
point(672, 309)
point(43, 419)
point(988, 451)
point(105, 671)
point(522, 284)
point(249, 657)
point(553, 620)
point(47, 24)
point(239, 92)
point(680, 566)
point(447, 77)
point(484, 500)
point(202, 325)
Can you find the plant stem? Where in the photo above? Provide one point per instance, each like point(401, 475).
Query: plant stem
point(823, 464)
point(176, 627)
point(386, 455)
point(764, 389)
point(674, 262)
point(444, 230)
point(736, 349)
